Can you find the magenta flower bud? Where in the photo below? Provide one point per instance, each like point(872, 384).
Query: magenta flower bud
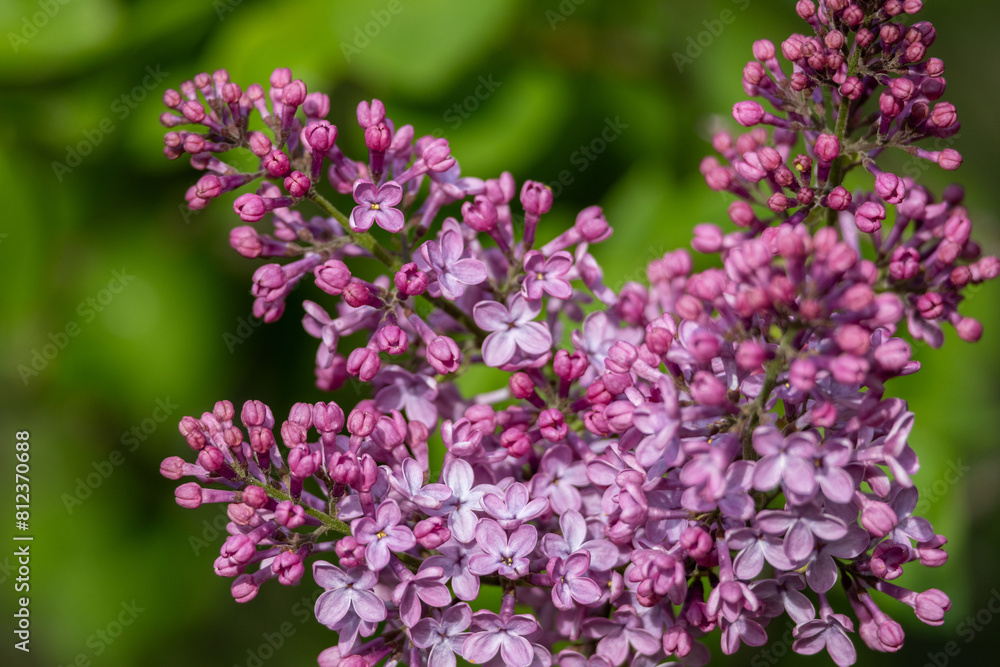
point(277, 164)
point(521, 385)
point(741, 214)
point(410, 280)
point(297, 184)
point(718, 178)
point(658, 339)
point(250, 207)
point(254, 496)
point(319, 137)
point(357, 294)
point(316, 105)
point(293, 95)
point(192, 110)
point(707, 389)
point(515, 442)
point(256, 414)
point(536, 198)
point(552, 425)
point(877, 518)
point(949, 159)
point(903, 89)
point(763, 49)
point(957, 229)
point(889, 106)
point(779, 202)
point(332, 276)
point(616, 383)
point(281, 77)
point(479, 214)
point(931, 605)
point(697, 541)
point(370, 114)
point(750, 355)
point(443, 355)
point(327, 417)
point(569, 366)
point(823, 414)
point(364, 363)
point(893, 355)
point(930, 305)
point(378, 138)
point(905, 263)
point(853, 339)
point(890, 188)
point(173, 467)
point(350, 552)
point(288, 566)
point(290, 515)
point(827, 147)
point(437, 155)
point(707, 238)
point(849, 369)
point(621, 356)
point(704, 346)
point(344, 468)
point(361, 423)
point(211, 459)
point(260, 144)
point(188, 495)
point(244, 588)
point(852, 88)
point(431, 533)
point(805, 9)
point(688, 307)
point(748, 113)
point(392, 340)
point(591, 224)
point(834, 40)
point(869, 217)
point(969, 329)
point(172, 98)
point(208, 186)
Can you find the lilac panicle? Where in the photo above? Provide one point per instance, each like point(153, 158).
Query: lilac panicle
point(704, 449)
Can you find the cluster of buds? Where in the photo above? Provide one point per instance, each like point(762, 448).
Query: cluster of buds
point(703, 451)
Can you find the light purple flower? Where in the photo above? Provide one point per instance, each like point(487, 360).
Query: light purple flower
point(451, 272)
point(382, 535)
point(454, 561)
point(513, 329)
point(603, 554)
point(506, 634)
point(546, 274)
point(375, 206)
point(464, 500)
point(801, 528)
point(411, 486)
point(570, 583)
point(514, 508)
point(413, 393)
point(830, 633)
point(558, 477)
point(785, 460)
point(424, 585)
point(445, 637)
point(346, 591)
point(617, 633)
point(508, 555)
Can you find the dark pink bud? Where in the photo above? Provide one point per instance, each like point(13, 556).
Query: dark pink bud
point(443, 355)
point(431, 533)
point(621, 356)
point(869, 217)
point(188, 495)
point(521, 386)
point(357, 294)
point(392, 340)
point(364, 363)
point(316, 105)
point(361, 423)
point(294, 94)
point(849, 369)
point(750, 355)
point(332, 276)
point(930, 305)
point(297, 184)
point(552, 425)
point(748, 113)
point(378, 138)
point(707, 389)
point(802, 375)
point(211, 459)
point(851, 88)
point(260, 144)
point(319, 137)
point(569, 366)
point(949, 159)
point(839, 198)
point(410, 280)
point(890, 188)
point(827, 147)
point(372, 114)
point(250, 207)
point(328, 417)
point(277, 164)
point(658, 339)
point(853, 339)
point(536, 198)
point(969, 329)
point(479, 214)
point(741, 214)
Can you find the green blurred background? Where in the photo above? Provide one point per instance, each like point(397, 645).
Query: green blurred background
point(559, 72)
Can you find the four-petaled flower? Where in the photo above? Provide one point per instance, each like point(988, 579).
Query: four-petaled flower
point(505, 633)
point(411, 486)
point(513, 329)
point(451, 272)
point(508, 555)
point(570, 582)
point(382, 535)
point(514, 508)
point(346, 591)
point(444, 637)
point(546, 274)
point(375, 206)
point(425, 585)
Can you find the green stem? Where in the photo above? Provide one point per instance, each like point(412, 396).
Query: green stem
point(840, 131)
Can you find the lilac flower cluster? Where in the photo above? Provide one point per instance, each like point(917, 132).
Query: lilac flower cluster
point(706, 451)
